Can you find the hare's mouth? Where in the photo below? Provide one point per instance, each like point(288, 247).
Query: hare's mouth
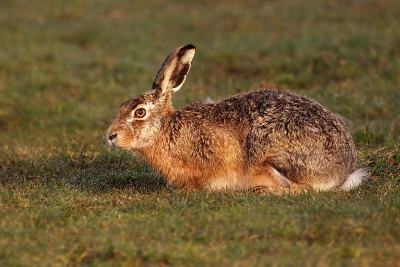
point(110, 143)
point(115, 143)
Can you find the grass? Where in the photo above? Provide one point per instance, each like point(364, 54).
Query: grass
point(68, 199)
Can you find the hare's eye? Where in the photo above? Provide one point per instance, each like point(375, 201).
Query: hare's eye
point(140, 113)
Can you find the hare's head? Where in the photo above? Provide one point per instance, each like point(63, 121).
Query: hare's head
point(139, 121)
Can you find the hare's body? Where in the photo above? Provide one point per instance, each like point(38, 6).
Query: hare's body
point(253, 135)
point(260, 138)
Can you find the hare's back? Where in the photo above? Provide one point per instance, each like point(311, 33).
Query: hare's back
point(274, 111)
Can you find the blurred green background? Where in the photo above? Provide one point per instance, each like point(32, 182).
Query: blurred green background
point(66, 66)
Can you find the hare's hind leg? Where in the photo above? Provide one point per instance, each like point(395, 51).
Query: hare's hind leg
point(268, 179)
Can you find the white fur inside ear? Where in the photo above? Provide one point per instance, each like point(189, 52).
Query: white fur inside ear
point(189, 55)
point(177, 64)
point(173, 90)
point(186, 59)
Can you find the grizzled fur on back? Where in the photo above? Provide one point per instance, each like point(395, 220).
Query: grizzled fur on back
point(262, 138)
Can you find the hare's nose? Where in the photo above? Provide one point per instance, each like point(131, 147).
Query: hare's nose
point(111, 137)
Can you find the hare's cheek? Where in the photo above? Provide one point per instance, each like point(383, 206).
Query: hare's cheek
point(123, 139)
point(148, 131)
point(144, 133)
point(134, 136)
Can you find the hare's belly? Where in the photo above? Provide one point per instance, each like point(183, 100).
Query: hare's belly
point(223, 183)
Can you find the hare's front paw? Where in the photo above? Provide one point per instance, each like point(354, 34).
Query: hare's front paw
point(262, 190)
point(294, 189)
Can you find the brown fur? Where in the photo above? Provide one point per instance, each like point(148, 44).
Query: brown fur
point(262, 138)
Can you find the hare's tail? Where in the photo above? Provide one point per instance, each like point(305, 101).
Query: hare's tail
point(354, 179)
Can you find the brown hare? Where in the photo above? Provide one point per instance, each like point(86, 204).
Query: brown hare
point(260, 139)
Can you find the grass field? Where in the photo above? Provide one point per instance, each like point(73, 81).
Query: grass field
point(66, 198)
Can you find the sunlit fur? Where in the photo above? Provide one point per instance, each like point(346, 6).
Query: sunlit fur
point(262, 138)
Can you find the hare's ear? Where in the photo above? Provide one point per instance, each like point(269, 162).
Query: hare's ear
point(173, 71)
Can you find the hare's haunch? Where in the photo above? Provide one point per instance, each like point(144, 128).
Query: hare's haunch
point(260, 139)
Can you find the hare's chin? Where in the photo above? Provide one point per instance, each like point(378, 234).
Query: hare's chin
point(112, 144)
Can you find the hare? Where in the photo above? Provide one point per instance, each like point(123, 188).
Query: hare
point(260, 139)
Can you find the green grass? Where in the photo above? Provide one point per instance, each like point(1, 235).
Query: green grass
point(68, 199)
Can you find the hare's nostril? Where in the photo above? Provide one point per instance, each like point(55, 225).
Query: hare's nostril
point(111, 137)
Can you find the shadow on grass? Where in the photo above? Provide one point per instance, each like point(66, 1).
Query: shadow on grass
point(103, 171)
point(97, 174)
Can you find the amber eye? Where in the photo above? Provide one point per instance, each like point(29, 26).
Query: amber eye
point(140, 113)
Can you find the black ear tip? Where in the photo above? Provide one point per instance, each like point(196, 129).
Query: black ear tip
point(189, 46)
